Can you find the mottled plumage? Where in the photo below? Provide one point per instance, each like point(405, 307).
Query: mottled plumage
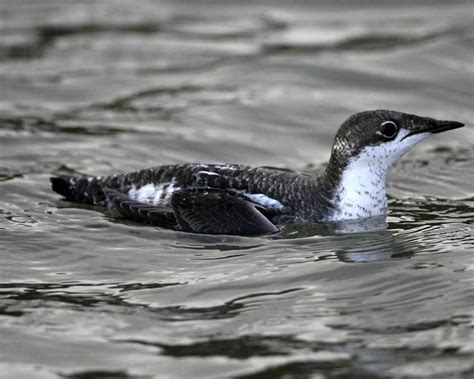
point(238, 199)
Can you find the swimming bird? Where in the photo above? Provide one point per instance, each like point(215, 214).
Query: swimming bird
point(242, 200)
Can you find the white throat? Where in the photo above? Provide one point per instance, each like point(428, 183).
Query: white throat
point(361, 192)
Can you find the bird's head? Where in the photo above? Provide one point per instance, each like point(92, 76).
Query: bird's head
point(384, 136)
point(366, 145)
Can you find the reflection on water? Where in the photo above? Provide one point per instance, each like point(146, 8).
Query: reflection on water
point(299, 230)
point(103, 87)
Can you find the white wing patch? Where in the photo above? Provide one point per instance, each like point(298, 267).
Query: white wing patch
point(153, 193)
point(263, 200)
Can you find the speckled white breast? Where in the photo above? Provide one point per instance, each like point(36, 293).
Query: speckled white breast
point(361, 192)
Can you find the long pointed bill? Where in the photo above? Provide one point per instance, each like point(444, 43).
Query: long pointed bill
point(435, 126)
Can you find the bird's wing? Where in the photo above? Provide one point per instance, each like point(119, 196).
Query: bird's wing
point(218, 212)
point(196, 210)
point(130, 209)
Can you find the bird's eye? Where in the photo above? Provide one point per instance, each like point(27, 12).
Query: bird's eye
point(388, 129)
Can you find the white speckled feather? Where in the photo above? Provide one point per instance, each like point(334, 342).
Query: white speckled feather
point(153, 193)
point(264, 200)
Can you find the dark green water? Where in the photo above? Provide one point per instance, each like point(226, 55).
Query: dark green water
point(100, 87)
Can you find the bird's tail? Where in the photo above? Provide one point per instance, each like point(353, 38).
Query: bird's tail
point(82, 190)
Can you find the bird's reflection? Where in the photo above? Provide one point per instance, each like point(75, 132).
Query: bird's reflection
point(366, 240)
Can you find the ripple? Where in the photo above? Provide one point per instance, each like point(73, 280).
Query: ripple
point(153, 99)
point(440, 172)
point(116, 374)
point(356, 37)
point(11, 173)
point(35, 125)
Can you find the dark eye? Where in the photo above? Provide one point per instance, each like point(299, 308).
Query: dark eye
point(388, 129)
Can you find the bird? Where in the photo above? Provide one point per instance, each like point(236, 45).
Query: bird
point(235, 199)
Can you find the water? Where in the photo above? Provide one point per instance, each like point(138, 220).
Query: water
point(110, 86)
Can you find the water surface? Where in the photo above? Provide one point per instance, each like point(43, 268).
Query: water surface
point(104, 87)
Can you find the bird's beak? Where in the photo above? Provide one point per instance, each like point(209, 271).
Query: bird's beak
point(434, 126)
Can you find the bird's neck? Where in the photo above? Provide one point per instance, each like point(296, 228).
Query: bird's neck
point(355, 187)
